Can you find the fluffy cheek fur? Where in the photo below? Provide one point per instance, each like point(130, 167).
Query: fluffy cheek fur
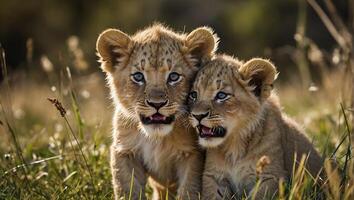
point(124, 92)
point(243, 115)
point(194, 123)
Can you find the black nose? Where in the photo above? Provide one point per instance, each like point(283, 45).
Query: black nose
point(156, 105)
point(200, 116)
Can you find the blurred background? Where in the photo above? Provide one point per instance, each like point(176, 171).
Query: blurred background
point(49, 47)
point(246, 28)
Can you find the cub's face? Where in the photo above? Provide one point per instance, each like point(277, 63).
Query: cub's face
point(150, 73)
point(227, 96)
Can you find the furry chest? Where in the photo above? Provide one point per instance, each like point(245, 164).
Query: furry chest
point(157, 161)
point(240, 176)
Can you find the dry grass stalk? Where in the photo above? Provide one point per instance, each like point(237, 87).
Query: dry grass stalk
point(338, 20)
point(343, 37)
point(329, 25)
point(58, 106)
point(62, 112)
point(281, 189)
point(333, 190)
point(298, 178)
point(261, 164)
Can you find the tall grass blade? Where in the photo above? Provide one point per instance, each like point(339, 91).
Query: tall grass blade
point(62, 112)
point(348, 152)
point(78, 117)
point(10, 128)
point(75, 105)
point(131, 185)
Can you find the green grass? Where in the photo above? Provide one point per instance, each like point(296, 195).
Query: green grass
point(48, 155)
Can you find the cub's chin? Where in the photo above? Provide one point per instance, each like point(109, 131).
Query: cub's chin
point(156, 125)
point(211, 137)
point(157, 130)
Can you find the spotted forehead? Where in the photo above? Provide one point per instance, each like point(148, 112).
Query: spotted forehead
point(163, 54)
point(216, 75)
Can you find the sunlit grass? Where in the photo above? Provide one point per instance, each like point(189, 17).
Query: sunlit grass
point(45, 154)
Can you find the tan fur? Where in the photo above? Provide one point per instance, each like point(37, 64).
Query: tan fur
point(256, 127)
point(168, 154)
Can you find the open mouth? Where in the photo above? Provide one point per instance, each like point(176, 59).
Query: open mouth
point(206, 132)
point(157, 118)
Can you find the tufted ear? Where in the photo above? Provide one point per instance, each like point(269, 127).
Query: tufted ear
point(113, 47)
point(201, 44)
point(260, 74)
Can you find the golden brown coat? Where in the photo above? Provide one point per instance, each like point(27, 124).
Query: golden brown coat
point(241, 124)
point(139, 72)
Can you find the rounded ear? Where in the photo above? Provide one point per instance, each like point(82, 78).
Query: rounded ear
point(113, 47)
point(201, 44)
point(260, 74)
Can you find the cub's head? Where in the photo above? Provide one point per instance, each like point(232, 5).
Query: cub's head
point(227, 97)
point(150, 73)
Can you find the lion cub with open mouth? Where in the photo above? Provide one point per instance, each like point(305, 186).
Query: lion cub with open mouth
point(240, 122)
point(150, 75)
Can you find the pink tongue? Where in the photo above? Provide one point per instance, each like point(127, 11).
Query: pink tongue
point(158, 117)
point(207, 130)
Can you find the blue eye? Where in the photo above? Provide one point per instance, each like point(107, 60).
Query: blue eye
point(221, 96)
point(138, 77)
point(173, 77)
point(193, 95)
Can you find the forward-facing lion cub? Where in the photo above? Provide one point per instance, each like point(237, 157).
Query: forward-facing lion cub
point(150, 75)
point(240, 122)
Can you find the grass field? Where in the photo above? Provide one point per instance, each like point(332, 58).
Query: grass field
point(46, 153)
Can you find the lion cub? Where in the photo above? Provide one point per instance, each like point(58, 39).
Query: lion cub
point(240, 122)
point(150, 75)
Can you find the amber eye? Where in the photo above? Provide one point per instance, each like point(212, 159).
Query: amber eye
point(138, 78)
point(221, 96)
point(193, 95)
point(173, 78)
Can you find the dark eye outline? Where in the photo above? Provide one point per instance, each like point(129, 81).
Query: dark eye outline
point(170, 81)
point(220, 99)
point(135, 79)
point(193, 95)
